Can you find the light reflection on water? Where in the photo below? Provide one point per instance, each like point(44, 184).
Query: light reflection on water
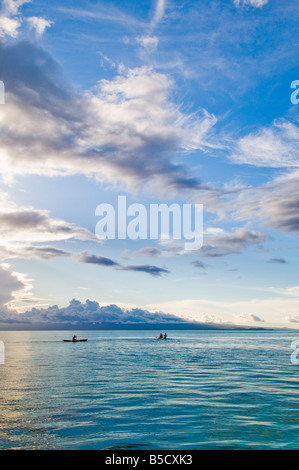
point(125, 389)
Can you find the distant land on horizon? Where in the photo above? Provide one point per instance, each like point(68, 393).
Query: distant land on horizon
point(90, 315)
point(131, 326)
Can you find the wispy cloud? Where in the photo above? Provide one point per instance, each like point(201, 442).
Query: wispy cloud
point(106, 61)
point(90, 258)
point(149, 43)
point(277, 260)
point(149, 269)
point(216, 244)
point(100, 13)
point(26, 232)
point(273, 204)
point(224, 244)
point(293, 319)
point(267, 311)
point(272, 147)
point(159, 13)
point(200, 265)
point(22, 224)
point(254, 3)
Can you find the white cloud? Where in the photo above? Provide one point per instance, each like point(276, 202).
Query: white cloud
point(126, 131)
point(273, 147)
point(274, 204)
point(254, 3)
point(9, 27)
point(217, 243)
point(10, 21)
point(292, 291)
point(39, 24)
point(11, 7)
point(224, 243)
point(89, 313)
point(293, 319)
point(21, 224)
point(11, 285)
point(105, 60)
point(272, 311)
point(149, 43)
point(248, 317)
point(159, 12)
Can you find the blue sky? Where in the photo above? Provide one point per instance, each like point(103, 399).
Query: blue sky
point(164, 102)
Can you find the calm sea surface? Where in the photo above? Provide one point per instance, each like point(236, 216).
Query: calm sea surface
point(128, 390)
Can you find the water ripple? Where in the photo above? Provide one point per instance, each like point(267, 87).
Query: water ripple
point(125, 390)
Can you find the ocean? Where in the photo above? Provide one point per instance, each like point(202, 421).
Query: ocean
point(120, 390)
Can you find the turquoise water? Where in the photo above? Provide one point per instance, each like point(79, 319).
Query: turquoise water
point(128, 390)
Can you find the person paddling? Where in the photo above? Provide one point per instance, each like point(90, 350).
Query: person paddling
point(74, 338)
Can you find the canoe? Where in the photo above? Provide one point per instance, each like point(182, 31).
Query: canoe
point(73, 340)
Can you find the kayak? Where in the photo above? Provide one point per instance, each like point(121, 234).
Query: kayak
point(73, 340)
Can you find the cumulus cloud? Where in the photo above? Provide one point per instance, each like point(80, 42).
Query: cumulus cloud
point(248, 317)
point(11, 7)
point(9, 27)
point(89, 313)
point(11, 19)
point(126, 130)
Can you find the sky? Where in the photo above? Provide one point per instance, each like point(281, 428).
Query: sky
point(163, 102)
